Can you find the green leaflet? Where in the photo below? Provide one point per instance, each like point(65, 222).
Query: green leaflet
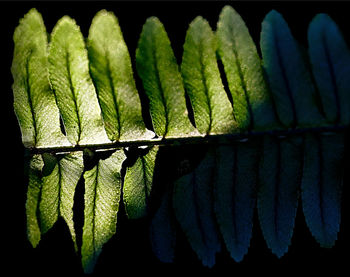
point(74, 90)
point(60, 178)
point(157, 67)
point(322, 178)
point(321, 186)
point(330, 59)
point(138, 184)
point(234, 194)
point(213, 112)
point(102, 195)
point(279, 177)
point(33, 197)
point(251, 100)
point(111, 70)
point(162, 231)
point(194, 209)
point(290, 81)
point(34, 102)
point(218, 197)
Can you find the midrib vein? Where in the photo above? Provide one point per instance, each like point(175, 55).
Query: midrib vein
point(59, 188)
point(321, 180)
point(29, 94)
point(160, 87)
point(285, 79)
point(234, 195)
point(204, 82)
point(74, 94)
point(143, 162)
point(115, 100)
point(94, 211)
point(276, 190)
point(241, 76)
point(333, 77)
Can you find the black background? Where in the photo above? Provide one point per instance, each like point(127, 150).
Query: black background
point(129, 249)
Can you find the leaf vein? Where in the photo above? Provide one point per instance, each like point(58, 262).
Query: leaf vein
point(206, 90)
point(285, 80)
point(241, 77)
point(332, 75)
point(115, 101)
point(160, 88)
point(29, 94)
point(76, 109)
point(277, 189)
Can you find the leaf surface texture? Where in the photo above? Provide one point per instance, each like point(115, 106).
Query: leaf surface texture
point(102, 196)
point(71, 81)
point(289, 79)
point(34, 101)
point(250, 95)
point(60, 178)
point(158, 69)
point(330, 59)
point(194, 209)
point(321, 186)
point(235, 194)
point(280, 177)
point(213, 111)
point(111, 71)
point(138, 182)
point(35, 166)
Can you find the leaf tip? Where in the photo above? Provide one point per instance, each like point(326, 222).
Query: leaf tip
point(274, 16)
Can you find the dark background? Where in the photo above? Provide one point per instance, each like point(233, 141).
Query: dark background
point(129, 249)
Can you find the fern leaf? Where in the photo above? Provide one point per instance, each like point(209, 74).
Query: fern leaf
point(194, 209)
point(60, 178)
point(111, 71)
point(34, 102)
point(322, 185)
point(74, 90)
point(213, 112)
point(157, 67)
point(138, 184)
point(330, 59)
point(251, 101)
point(162, 231)
point(290, 81)
point(280, 176)
point(33, 199)
point(102, 195)
point(234, 194)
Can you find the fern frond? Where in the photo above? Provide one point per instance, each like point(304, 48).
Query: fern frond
point(277, 132)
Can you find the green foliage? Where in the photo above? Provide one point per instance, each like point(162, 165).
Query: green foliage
point(34, 102)
point(330, 58)
point(60, 177)
point(102, 195)
point(251, 99)
point(212, 196)
point(194, 209)
point(322, 185)
point(279, 173)
point(157, 67)
point(138, 182)
point(290, 81)
point(33, 199)
point(72, 84)
point(235, 188)
point(213, 112)
point(111, 70)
